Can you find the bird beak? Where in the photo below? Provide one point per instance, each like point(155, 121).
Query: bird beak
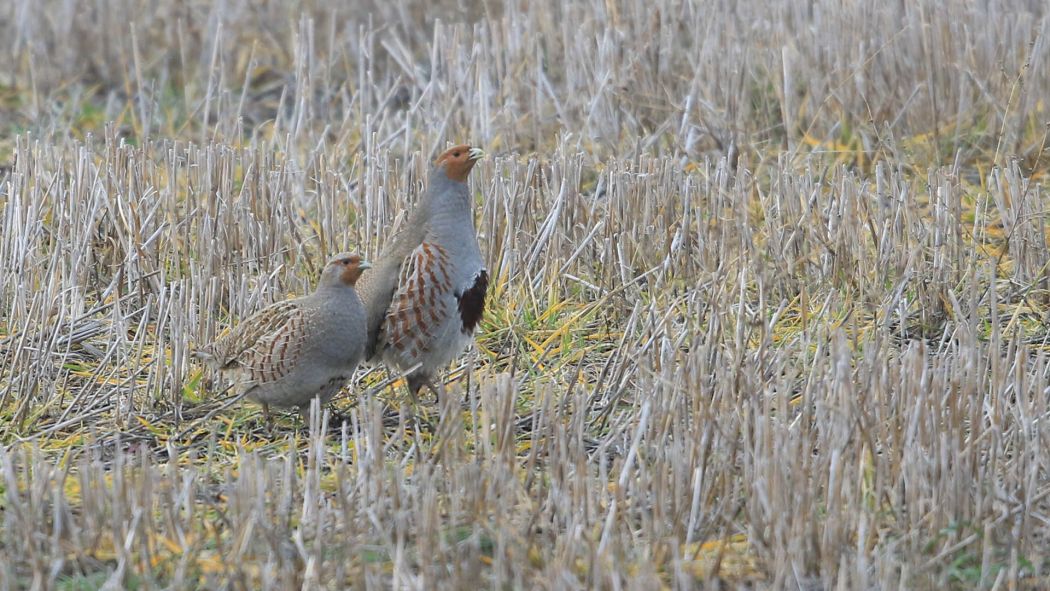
point(364, 265)
point(476, 153)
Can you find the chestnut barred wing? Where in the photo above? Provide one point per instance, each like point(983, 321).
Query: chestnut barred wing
point(422, 304)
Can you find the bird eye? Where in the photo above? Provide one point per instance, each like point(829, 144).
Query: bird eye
point(347, 261)
point(455, 154)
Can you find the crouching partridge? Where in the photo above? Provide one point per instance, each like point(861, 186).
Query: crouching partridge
point(293, 351)
point(426, 294)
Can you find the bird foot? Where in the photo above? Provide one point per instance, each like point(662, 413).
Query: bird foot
point(439, 391)
point(337, 418)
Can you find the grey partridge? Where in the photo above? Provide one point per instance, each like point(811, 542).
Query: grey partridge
point(293, 351)
point(426, 294)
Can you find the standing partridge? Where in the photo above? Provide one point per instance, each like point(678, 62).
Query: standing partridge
point(293, 351)
point(426, 294)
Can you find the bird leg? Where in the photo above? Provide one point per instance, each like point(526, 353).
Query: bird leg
point(438, 388)
point(413, 393)
point(266, 415)
point(416, 381)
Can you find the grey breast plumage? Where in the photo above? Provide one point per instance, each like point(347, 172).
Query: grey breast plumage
point(293, 351)
point(426, 294)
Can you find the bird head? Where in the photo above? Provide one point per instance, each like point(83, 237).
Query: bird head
point(457, 161)
point(344, 269)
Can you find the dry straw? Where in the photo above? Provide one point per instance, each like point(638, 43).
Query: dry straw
point(768, 308)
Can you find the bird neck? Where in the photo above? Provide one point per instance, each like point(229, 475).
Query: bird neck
point(448, 201)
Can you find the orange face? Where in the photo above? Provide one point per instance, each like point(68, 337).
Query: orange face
point(350, 268)
point(458, 161)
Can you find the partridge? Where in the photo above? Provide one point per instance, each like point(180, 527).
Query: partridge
point(426, 293)
point(293, 351)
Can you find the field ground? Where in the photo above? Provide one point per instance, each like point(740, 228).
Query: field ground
point(769, 308)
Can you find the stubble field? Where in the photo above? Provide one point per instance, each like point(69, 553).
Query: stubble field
point(768, 307)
